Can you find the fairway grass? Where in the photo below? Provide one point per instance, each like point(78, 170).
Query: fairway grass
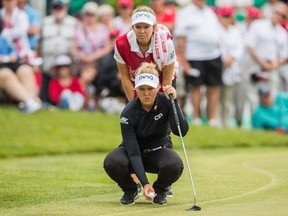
point(51, 164)
point(234, 181)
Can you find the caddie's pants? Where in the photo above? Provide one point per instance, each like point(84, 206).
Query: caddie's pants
point(164, 162)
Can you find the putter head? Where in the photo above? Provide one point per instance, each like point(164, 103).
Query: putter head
point(194, 208)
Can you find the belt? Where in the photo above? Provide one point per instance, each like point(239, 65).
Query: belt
point(153, 149)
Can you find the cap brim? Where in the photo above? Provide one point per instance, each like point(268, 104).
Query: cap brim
point(153, 85)
point(143, 21)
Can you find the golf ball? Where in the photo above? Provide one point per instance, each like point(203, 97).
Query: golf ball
point(151, 195)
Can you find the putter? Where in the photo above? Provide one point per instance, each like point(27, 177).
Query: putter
point(194, 207)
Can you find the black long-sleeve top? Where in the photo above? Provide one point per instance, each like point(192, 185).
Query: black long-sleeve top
point(146, 130)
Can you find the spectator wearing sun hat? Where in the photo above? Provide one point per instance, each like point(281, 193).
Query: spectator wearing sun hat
point(109, 89)
point(91, 40)
point(106, 16)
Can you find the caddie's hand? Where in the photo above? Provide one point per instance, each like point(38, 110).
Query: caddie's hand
point(148, 191)
point(169, 89)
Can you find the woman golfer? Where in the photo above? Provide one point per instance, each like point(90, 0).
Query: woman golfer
point(146, 42)
point(145, 147)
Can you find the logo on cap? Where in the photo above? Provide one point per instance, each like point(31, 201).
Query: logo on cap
point(145, 76)
point(143, 14)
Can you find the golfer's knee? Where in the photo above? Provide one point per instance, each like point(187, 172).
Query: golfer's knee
point(175, 168)
point(113, 164)
point(109, 163)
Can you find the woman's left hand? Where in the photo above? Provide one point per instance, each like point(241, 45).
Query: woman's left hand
point(169, 89)
point(148, 191)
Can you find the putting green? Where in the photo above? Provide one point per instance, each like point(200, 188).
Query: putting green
point(238, 181)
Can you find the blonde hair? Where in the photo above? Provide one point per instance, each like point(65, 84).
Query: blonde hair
point(145, 9)
point(147, 67)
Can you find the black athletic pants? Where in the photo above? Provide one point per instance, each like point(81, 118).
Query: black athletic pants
point(164, 162)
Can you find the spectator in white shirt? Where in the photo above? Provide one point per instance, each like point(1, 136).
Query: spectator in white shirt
point(198, 33)
point(267, 44)
point(232, 48)
point(242, 87)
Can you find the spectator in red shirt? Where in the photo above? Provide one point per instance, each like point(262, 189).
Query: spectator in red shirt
point(65, 90)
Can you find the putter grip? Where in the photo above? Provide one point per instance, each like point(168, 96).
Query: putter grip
point(174, 109)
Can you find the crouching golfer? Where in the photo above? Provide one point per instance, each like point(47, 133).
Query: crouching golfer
point(145, 131)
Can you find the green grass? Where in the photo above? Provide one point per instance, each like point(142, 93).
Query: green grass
point(63, 132)
point(51, 164)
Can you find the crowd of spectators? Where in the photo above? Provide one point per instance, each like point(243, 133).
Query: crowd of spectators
point(244, 45)
point(226, 50)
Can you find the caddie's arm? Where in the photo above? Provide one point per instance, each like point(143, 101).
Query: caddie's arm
point(125, 81)
point(168, 72)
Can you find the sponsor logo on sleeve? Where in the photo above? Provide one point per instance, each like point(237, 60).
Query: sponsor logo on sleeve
point(124, 120)
point(117, 56)
point(172, 55)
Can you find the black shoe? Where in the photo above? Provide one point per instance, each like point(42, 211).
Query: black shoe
point(129, 198)
point(169, 193)
point(160, 199)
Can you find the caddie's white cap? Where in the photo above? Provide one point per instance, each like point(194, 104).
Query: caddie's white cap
point(143, 17)
point(146, 79)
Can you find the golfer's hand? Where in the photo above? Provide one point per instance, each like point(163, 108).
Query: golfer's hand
point(168, 89)
point(147, 189)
